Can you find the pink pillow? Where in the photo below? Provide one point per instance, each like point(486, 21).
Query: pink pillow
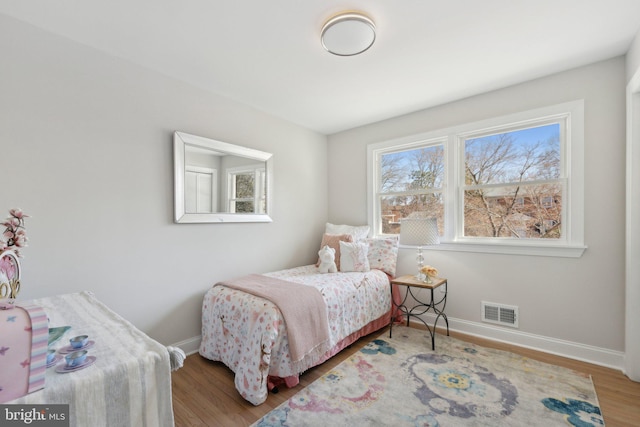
point(333, 240)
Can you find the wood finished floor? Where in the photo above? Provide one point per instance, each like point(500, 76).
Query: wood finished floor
point(204, 393)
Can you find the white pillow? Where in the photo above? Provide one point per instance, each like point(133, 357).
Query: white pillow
point(383, 254)
point(353, 256)
point(359, 232)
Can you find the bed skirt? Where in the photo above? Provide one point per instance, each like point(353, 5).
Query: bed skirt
point(294, 380)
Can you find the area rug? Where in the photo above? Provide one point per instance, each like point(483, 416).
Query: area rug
point(402, 382)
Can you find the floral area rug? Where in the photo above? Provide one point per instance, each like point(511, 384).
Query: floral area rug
point(402, 382)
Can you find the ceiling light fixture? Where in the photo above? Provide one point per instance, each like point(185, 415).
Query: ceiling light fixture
point(348, 34)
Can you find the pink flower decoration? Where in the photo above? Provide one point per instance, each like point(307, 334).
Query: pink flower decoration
point(17, 213)
point(14, 235)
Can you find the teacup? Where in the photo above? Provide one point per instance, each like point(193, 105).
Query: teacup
point(79, 341)
point(51, 354)
point(76, 358)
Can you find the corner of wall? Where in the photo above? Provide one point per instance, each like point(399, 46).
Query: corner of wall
point(633, 58)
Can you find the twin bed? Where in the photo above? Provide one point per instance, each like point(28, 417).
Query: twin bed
point(264, 342)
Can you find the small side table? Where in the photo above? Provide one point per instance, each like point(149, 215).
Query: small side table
point(421, 307)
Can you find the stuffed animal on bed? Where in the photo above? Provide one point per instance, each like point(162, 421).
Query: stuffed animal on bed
point(327, 260)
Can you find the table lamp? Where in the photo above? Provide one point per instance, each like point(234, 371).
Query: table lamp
point(419, 232)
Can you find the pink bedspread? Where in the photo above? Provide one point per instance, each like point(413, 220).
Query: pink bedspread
point(248, 334)
point(302, 307)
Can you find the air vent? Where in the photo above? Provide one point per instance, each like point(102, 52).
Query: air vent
point(500, 314)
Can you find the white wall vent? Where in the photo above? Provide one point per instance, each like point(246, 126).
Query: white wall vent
point(500, 314)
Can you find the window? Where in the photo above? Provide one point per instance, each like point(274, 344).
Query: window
point(247, 191)
point(507, 185)
point(411, 184)
point(511, 180)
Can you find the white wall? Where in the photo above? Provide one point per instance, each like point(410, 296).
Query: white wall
point(562, 301)
point(86, 149)
point(633, 57)
point(632, 344)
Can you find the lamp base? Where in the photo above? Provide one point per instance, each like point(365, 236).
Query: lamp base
point(421, 277)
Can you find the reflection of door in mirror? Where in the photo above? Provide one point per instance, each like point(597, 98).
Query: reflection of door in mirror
point(201, 180)
point(200, 190)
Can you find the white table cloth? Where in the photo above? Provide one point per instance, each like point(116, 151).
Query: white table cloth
point(129, 384)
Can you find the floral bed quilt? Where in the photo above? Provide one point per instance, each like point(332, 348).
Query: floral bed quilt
point(248, 334)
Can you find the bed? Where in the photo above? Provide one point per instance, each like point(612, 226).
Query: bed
point(249, 334)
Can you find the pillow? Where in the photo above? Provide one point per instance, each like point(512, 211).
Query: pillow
point(353, 256)
point(383, 254)
point(359, 232)
point(333, 240)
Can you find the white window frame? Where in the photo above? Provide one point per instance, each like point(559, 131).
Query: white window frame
point(572, 145)
point(259, 194)
point(402, 146)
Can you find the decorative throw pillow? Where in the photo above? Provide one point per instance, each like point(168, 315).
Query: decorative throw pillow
point(333, 240)
point(353, 256)
point(383, 254)
point(359, 232)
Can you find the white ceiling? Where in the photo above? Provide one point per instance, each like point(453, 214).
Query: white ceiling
point(268, 54)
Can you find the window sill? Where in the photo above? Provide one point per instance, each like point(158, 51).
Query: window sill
point(511, 249)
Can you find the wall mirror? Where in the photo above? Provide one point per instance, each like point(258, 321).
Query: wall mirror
point(220, 182)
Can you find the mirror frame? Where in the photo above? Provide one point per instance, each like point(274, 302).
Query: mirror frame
point(180, 140)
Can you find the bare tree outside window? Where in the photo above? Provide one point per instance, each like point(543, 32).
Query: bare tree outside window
point(411, 186)
point(243, 197)
point(513, 186)
point(510, 184)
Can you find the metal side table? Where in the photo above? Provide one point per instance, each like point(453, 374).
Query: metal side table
point(420, 308)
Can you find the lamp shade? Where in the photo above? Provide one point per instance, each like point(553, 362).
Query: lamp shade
point(419, 232)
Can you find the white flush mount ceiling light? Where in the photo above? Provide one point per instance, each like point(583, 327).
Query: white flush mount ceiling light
point(348, 34)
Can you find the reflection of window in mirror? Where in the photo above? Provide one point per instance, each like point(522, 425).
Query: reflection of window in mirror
point(247, 190)
point(261, 185)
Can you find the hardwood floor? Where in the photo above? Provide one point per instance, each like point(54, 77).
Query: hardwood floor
point(204, 393)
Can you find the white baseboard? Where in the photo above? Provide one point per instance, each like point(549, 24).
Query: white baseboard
point(190, 345)
point(586, 353)
point(583, 352)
